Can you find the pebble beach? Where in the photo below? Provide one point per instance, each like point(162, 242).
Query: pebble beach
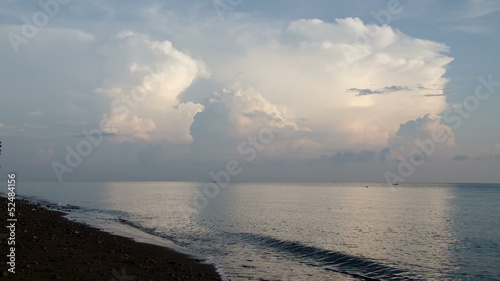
point(51, 247)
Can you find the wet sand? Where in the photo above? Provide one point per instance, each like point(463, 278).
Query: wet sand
point(50, 247)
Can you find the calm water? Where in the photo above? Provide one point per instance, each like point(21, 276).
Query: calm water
point(291, 231)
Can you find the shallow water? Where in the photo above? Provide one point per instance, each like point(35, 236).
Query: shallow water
point(298, 231)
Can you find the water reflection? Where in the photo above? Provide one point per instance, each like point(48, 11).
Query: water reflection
point(476, 224)
point(405, 225)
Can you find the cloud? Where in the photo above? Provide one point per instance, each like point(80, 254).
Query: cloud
point(471, 29)
point(189, 91)
point(487, 153)
point(384, 153)
point(435, 95)
point(301, 68)
point(460, 158)
point(237, 113)
point(480, 8)
point(350, 156)
point(421, 130)
point(352, 102)
point(104, 134)
point(144, 101)
point(51, 78)
point(385, 90)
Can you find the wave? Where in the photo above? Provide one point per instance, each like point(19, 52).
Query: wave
point(150, 231)
point(359, 267)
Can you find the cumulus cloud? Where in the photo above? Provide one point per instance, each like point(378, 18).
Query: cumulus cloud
point(338, 91)
point(352, 102)
point(144, 99)
point(424, 129)
point(239, 112)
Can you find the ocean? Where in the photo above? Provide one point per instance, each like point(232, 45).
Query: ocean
point(302, 231)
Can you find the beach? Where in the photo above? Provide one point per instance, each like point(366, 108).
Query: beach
point(50, 247)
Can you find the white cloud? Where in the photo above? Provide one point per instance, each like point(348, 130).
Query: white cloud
point(124, 34)
point(471, 29)
point(305, 69)
point(145, 100)
point(480, 8)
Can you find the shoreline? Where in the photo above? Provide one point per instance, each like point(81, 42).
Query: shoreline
point(51, 247)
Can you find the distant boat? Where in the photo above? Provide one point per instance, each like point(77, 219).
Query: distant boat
point(395, 183)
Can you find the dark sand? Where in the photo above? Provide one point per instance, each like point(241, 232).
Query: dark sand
point(50, 247)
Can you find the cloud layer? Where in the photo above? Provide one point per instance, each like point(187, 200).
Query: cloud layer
point(176, 88)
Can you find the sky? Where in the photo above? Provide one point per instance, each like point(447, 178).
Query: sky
point(240, 90)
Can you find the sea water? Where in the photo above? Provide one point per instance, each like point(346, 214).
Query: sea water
point(304, 231)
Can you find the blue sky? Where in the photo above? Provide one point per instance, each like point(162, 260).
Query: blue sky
point(284, 90)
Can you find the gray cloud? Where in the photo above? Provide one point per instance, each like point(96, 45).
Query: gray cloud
point(384, 153)
point(435, 95)
point(382, 91)
point(104, 134)
point(419, 129)
point(351, 156)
